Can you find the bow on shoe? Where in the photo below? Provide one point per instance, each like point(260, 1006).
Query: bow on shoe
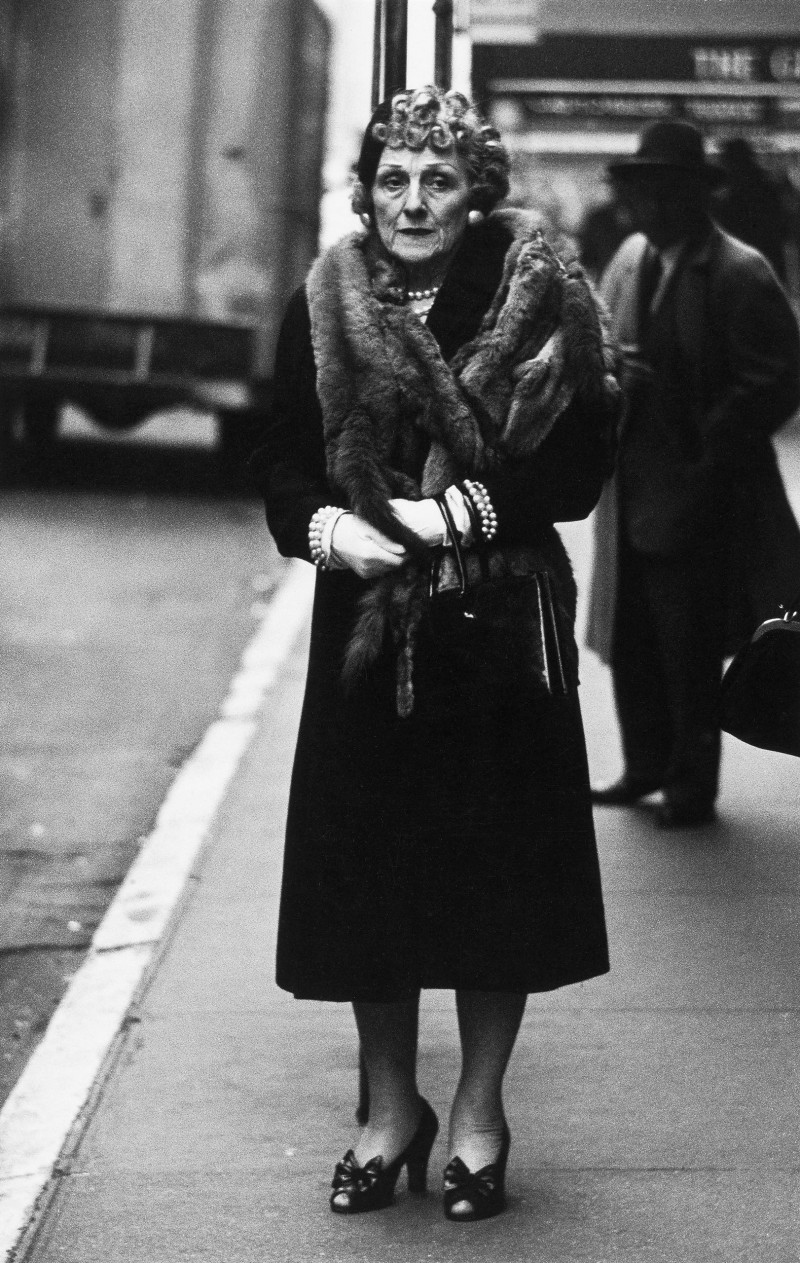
point(349, 1177)
point(461, 1184)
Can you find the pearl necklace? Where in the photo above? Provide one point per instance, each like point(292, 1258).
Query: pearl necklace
point(419, 295)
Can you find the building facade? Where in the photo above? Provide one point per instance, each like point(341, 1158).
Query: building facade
point(592, 73)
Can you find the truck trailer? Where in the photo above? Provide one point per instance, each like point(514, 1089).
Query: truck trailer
point(160, 181)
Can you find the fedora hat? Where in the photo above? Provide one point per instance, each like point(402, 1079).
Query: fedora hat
point(671, 145)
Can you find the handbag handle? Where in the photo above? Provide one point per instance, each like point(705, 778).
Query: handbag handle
point(457, 546)
point(455, 541)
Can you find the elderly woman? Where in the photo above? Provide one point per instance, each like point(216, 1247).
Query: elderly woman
point(441, 380)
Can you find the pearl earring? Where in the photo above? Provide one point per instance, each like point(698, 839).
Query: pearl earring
point(476, 217)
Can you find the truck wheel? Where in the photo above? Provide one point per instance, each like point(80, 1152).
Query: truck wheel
point(8, 448)
point(40, 422)
point(234, 445)
point(39, 427)
point(230, 434)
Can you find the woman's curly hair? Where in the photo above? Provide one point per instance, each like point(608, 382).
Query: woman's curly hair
point(445, 122)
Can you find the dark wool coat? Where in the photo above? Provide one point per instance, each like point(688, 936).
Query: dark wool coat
point(453, 848)
point(702, 478)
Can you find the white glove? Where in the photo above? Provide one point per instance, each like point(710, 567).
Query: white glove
point(363, 548)
point(425, 519)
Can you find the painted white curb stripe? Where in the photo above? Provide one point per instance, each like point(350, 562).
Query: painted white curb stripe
point(53, 1091)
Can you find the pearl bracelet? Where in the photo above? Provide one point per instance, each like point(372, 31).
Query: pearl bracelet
point(316, 528)
point(480, 498)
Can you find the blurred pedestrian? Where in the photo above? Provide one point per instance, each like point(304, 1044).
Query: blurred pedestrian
point(602, 230)
point(695, 541)
point(749, 203)
point(438, 381)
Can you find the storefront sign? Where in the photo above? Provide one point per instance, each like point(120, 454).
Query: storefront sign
point(633, 79)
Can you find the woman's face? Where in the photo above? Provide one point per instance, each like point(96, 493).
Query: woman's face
point(421, 202)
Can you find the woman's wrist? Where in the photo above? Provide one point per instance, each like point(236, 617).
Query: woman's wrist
point(335, 562)
point(456, 500)
point(320, 537)
point(481, 502)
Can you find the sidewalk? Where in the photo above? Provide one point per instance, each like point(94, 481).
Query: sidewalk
point(654, 1112)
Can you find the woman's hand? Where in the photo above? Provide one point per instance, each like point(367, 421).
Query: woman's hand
point(423, 517)
point(364, 549)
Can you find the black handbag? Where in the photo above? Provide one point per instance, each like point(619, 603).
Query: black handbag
point(760, 691)
point(506, 629)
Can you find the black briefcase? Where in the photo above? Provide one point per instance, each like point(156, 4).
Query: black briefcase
point(760, 691)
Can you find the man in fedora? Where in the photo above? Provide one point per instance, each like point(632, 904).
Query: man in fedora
point(695, 542)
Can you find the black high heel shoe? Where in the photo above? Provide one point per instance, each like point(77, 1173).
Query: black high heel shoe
point(484, 1191)
point(371, 1187)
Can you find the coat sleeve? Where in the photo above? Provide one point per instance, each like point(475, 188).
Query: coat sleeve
point(758, 354)
point(288, 464)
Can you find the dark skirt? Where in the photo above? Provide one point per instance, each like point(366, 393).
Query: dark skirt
point(452, 849)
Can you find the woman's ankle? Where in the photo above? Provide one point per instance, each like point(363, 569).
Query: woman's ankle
point(477, 1146)
point(389, 1128)
point(477, 1127)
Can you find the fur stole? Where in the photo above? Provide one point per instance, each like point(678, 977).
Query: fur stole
point(401, 422)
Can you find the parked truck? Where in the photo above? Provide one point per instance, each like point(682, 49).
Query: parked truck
point(160, 179)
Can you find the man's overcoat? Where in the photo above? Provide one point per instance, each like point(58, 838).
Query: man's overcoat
point(707, 470)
